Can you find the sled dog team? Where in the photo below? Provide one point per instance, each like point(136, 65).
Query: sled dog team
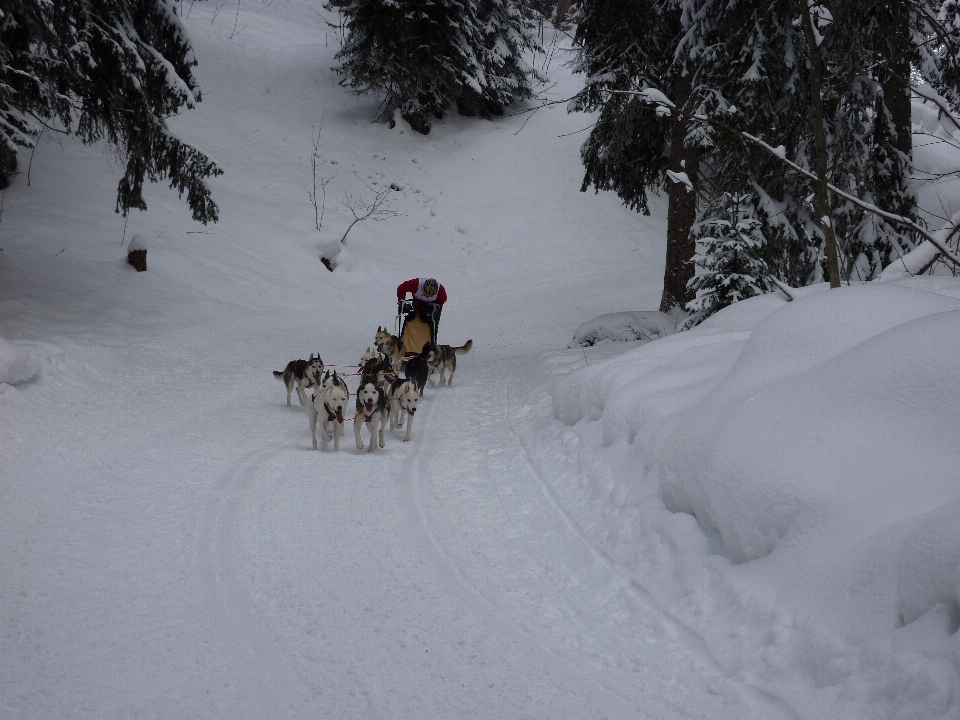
point(382, 394)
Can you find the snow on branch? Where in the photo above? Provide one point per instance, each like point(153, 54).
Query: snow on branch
point(938, 239)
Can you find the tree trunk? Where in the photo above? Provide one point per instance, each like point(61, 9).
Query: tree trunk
point(682, 207)
point(820, 146)
point(895, 79)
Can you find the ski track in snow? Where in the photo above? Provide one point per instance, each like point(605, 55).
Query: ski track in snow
point(475, 501)
point(265, 673)
point(692, 640)
point(526, 560)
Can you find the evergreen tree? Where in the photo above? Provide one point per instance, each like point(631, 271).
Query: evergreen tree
point(751, 77)
point(754, 76)
point(109, 70)
point(745, 65)
point(508, 34)
point(423, 55)
point(729, 248)
point(625, 46)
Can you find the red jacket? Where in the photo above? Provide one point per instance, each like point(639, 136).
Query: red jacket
point(413, 286)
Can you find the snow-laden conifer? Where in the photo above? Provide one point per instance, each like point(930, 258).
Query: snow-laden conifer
point(424, 55)
point(623, 47)
point(729, 263)
point(508, 40)
point(110, 70)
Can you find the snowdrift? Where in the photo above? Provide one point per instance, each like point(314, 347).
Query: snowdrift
point(815, 445)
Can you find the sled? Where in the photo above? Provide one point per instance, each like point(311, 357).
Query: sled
point(416, 332)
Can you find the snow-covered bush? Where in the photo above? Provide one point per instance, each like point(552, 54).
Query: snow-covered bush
point(16, 364)
point(637, 325)
point(799, 459)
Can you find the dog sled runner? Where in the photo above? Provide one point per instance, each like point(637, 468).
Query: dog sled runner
point(414, 329)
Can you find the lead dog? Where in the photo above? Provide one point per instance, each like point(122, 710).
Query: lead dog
point(444, 357)
point(372, 404)
point(329, 403)
point(403, 396)
point(390, 345)
point(301, 375)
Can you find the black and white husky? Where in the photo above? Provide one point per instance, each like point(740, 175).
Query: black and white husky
point(441, 358)
point(300, 375)
point(371, 411)
point(329, 403)
point(403, 396)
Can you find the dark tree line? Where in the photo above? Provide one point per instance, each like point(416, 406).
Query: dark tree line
point(111, 70)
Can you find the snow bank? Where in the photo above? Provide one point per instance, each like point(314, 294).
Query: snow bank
point(815, 445)
point(16, 364)
point(637, 325)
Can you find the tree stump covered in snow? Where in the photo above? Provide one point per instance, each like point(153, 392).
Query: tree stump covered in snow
point(137, 253)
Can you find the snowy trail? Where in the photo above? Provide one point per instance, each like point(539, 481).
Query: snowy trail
point(496, 523)
point(436, 576)
point(173, 548)
point(264, 673)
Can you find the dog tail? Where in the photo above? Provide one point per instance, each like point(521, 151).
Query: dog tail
point(278, 374)
point(465, 348)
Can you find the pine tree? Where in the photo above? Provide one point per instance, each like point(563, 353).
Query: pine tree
point(730, 267)
point(755, 76)
point(751, 77)
point(111, 70)
point(745, 65)
point(508, 35)
point(626, 46)
point(424, 55)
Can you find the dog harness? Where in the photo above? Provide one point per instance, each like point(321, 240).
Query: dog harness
point(331, 413)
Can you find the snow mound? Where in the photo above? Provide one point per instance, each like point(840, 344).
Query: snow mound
point(637, 325)
point(16, 364)
point(812, 447)
point(805, 434)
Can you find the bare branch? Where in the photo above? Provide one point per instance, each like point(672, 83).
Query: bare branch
point(361, 210)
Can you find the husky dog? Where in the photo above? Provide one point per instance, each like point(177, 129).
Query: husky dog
point(370, 354)
point(415, 368)
point(390, 345)
point(403, 396)
point(300, 375)
point(329, 401)
point(441, 358)
point(372, 410)
point(378, 369)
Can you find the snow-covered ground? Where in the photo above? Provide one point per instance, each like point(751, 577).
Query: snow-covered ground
point(758, 518)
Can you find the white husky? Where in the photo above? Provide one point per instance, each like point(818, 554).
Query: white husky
point(403, 396)
point(329, 402)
